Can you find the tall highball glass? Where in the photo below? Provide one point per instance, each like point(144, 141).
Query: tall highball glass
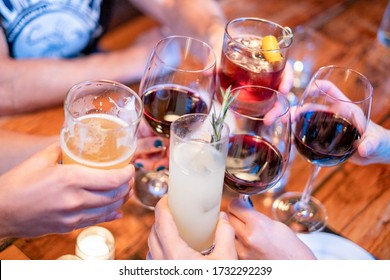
point(196, 176)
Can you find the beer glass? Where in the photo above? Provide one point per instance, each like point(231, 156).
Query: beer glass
point(101, 122)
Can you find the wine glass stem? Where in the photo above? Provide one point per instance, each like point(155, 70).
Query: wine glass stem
point(309, 186)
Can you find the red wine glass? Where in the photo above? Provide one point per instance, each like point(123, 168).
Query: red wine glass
point(328, 124)
point(179, 79)
point(259, 145)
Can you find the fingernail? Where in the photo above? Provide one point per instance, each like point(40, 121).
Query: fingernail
point(223, 215)
point(161, 167)
point(369, 149)
point(158, 143)
point(250, 201)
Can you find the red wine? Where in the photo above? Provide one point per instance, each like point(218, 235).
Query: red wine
point(253, 165)
point(163, 104)
point(325, 138)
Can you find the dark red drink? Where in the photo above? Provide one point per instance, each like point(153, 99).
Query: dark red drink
point(163, 104)
point(253, 165)
point(240, 67)
point(325, 138)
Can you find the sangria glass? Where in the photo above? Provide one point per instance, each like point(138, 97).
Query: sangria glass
point(196, 176)
point(328, 125)
point(254, 52)
point(180, 79)
point(101, 122)
point(260, 141)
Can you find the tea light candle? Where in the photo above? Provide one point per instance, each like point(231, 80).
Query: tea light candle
point(95, 243)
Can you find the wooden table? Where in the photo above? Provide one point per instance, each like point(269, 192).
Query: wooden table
point(357, 198)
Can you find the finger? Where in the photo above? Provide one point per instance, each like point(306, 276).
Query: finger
point(47, 157)
point(94, 215)
point(161, 164)
point(97, 179)
point(144, 129)
point(101, 219)
point(240, 209)
point(224, 239)
point(239, 227)
point(155, 249)
point(150, 146)
point(277, 111)
point(167, 233)
point(152, 164)
point(242, 251)
point(104, 198)
point(287, 79)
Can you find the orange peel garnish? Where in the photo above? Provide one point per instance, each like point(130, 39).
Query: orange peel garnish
point(271, 48)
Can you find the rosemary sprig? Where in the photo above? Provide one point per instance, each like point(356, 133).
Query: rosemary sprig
point(217, 121)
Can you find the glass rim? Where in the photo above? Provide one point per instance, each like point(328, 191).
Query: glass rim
point(207, 67)
point(256, 19)
point(345, 69)
point(285, 112)
point(105, 82)
point(226, 127)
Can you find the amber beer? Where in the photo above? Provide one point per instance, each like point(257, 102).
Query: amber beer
point(99, 146)
point(104, 136)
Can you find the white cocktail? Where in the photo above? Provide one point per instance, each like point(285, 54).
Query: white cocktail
point(196, 174)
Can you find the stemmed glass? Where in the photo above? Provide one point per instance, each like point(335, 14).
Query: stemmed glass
point(254, 52)
point(259, 145)
point(328, 125)
point(180, 79)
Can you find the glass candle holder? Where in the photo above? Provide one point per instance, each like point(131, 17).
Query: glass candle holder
point(95, 243)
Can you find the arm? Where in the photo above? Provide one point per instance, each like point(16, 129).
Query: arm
point(182, 17)
point(259, 237)
point(40, 196)
point(16, 147)
point(29, 84)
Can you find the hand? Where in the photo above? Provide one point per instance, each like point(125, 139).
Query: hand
point(152, 151)
point(41, 196)
point(259, 237)
point(375, 146)
point(165, 243)
point(287, 79)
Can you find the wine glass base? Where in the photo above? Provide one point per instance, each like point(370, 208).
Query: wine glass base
point(150, 187)
point(286, 209)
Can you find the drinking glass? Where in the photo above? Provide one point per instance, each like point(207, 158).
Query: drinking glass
point(101, 122)
point(254, 52)
point(328, 125)
point(179, 79)
point(259, 145)
point(196, 174)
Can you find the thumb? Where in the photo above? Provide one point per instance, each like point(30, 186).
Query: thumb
point(47, 157)
point(224, 239)
point(50, 155)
